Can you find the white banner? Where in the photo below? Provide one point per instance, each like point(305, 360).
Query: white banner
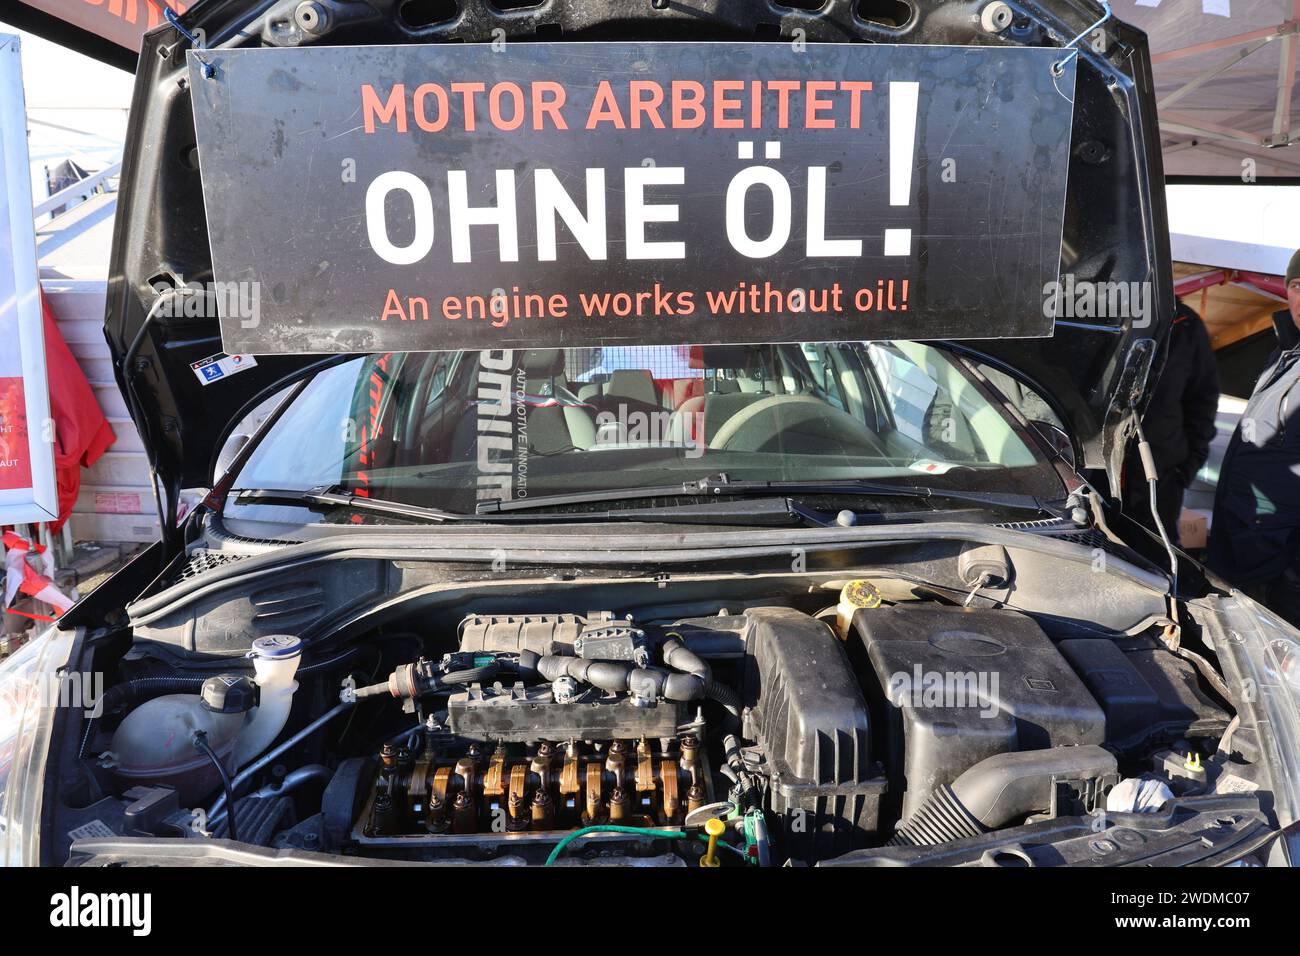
point(27, 486)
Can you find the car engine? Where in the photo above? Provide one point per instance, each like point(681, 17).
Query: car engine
point(553, 723)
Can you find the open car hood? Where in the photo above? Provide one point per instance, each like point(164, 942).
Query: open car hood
point(1092, 371)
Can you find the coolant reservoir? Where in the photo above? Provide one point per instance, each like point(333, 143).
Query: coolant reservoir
point(854, 596)
point(154, 745)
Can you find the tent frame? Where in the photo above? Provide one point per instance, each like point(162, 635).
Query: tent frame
point(1191, 131)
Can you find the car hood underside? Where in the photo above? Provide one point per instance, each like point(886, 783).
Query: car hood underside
point(1114, 226)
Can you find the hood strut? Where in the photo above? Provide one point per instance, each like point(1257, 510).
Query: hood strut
point(1152, 479)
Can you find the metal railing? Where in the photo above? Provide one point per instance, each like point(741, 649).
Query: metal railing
point(79, 191)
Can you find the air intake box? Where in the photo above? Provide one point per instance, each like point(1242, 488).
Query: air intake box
point(809, 716)
point(956, 686)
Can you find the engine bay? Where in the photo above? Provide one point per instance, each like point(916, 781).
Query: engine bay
point(786, 731)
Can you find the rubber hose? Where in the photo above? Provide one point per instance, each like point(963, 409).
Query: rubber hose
point(471, 675)
point(998, 790)
point(683, 687)
point(679, 657)
point(609, 676)
point(723, 695)
point(147, 688)
point(619, 676)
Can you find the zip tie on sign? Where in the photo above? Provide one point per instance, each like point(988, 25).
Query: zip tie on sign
point(174, 19)
point(1059, 66)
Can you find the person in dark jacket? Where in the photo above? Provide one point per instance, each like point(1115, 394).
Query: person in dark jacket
point(1255, 536)
point(1179, 423)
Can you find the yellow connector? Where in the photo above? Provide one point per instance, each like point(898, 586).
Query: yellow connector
point(1193, 762)
point(714, 828)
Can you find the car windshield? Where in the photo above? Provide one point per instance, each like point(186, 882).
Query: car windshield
point(453, 430)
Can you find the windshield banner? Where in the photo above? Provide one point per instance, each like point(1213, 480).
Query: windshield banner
point(432, 197)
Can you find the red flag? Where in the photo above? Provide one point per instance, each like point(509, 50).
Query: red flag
point(81, 432)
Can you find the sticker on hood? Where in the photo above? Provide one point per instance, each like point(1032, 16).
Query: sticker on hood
point(219, 366)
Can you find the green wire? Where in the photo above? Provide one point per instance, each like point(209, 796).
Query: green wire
point(727, 846)
point(612, 828)
point(634, 831)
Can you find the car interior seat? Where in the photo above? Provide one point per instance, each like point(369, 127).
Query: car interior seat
point(557, 420)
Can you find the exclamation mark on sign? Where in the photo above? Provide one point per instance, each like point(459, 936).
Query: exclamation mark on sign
point(902, 146)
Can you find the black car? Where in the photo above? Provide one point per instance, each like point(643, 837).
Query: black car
point(865, 602)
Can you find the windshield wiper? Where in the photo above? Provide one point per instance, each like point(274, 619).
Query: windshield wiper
point(721, 485)
point(496, 511)
point(324, 496)
point(710, 513)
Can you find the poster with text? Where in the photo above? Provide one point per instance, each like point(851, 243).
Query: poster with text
point(570, 194)
point(27, 484)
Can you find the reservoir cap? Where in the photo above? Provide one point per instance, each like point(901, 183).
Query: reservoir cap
point(228, 694)
point(276, 647)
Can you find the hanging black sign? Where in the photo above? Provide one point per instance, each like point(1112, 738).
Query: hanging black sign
point(533, 194)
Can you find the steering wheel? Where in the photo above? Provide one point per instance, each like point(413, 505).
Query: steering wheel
point(754, 427)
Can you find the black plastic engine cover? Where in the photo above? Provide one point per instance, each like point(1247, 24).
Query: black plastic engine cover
point(809, 717)
point(956, 686)
point(1148, 693)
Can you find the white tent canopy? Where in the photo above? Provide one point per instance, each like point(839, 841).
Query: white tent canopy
point(1225, 78)
point(1233, 226)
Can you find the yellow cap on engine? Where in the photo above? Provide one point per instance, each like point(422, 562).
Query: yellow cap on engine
point(714, 828)
point(854, 596)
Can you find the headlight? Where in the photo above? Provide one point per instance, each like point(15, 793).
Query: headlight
point(1281, 659)
point(29, 691)
point(1267, 652)
point(1286, 652)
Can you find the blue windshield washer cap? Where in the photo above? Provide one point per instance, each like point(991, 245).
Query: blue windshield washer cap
point(276, 647)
